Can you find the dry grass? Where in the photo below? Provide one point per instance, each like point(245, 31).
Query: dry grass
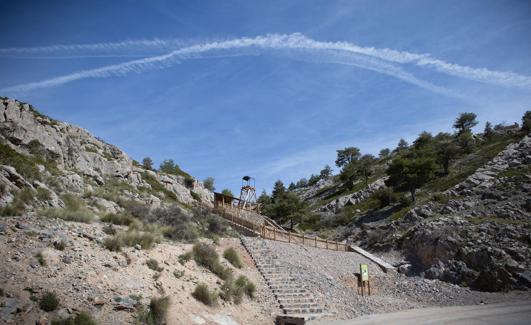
point(201, 293)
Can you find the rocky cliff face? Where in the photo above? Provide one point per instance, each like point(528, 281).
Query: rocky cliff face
point(477, 234)
point(68, 159)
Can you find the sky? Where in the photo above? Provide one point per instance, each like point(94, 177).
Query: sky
point(269, 89)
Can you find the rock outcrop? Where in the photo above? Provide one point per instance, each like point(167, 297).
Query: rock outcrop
point(478, 234)
point(351, 199)
point(68, 159)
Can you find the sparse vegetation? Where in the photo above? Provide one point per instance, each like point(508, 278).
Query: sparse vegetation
point(131, 237)
point(60, 245)
point(113, 244)
point(43, 194)
point(232, 256)
point(195, 196)
point(153, 264)
point(83, 318)
point(49, 301)
point(206, 256)
point(183, 258)
point(18, 206)
point(40, 258)
point(233, 290)
point(156, 313)
point(204, 295)
point(122, 218)
point(178, 274)
point(26, 166)
point(75, 210)
point(156, 186)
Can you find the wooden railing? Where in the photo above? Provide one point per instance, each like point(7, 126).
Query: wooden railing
point(263, 229)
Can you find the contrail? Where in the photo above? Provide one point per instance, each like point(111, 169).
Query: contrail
point(106, 47)
point(386, 61)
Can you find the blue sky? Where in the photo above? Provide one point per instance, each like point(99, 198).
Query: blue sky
point(266, 88)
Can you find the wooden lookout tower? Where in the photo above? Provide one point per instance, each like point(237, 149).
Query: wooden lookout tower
point(247, 193)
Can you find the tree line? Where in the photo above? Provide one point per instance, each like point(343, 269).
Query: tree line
point(408, 167)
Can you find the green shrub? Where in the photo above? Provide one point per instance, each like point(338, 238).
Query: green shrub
point(40, 258)
point(204, 295)
point(230, 292)
point(26, 166)
point(14, 209)
point(179, 223)
point(158, 187)
point(153, 264)
point(144, 239)
point(43, 194)
point(205, 255)
point(49, 301)
point(83, 318)
point(60, 245)
point(109, 229)
point(136, 209)
point(114, 244)
point(441, 198)
point(18, 206)
point(74, 210)
point(131, 238)
point(248, 287)
point(232, 256)
point(234, 290)
point(81, 215)
point(183, 258)
point(385, 196)
point(222, 272)
point(189, 181)
point(118, 218)
point(215, 226)
point(158, 307)
point(195, 196)
point(178, 274)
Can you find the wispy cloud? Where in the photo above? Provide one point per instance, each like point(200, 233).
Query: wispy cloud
point(387, 61)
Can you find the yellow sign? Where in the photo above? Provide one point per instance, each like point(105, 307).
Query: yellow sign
point(364, 271)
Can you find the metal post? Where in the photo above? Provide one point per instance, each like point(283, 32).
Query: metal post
point(315, 241)
point(303, 239)
point(326, 243)
point(289, 237)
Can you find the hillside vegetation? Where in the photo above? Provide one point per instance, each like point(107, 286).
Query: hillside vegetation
point(479, 182)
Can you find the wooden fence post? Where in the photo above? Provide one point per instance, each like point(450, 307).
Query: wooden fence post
point(303, 238)
point(274, 234)
point(289, 237)
point(326, 243)
point(315, 241)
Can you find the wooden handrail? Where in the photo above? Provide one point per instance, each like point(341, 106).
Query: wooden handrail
point(265, 230)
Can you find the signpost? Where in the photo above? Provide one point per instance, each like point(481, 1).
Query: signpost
point(364, 278)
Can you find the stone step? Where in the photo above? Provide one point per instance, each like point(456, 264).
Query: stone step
point(300, 306)
point(295, 300)
point(288, 291)
point(281, 281)
point(307, 316)
point(290, 295)
point(286, 287)
point(290, 311)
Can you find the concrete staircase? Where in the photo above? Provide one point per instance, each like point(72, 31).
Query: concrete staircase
point(294, 299)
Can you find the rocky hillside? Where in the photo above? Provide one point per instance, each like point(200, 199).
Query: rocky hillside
point(469, 226)
point(43, 161)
